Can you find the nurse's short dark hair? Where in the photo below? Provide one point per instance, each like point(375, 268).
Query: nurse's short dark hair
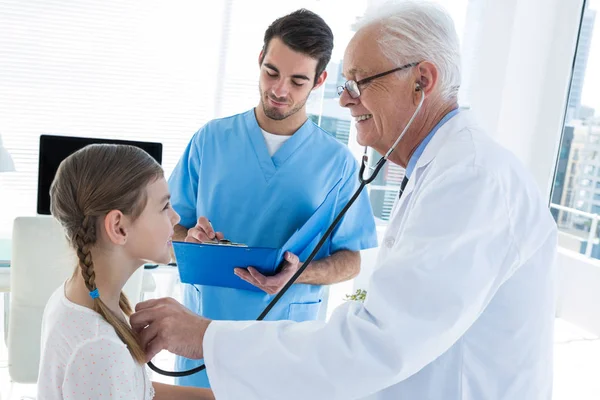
point(305, 32)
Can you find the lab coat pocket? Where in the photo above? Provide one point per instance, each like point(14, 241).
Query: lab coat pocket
point(304, 311)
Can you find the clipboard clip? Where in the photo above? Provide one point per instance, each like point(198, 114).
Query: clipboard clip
point(224, 242)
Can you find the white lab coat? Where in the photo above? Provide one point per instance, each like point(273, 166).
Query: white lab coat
point(460, 305)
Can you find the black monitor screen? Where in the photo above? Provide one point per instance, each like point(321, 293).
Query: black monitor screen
point(54, 149)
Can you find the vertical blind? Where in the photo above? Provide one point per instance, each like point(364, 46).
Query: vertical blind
point(113, 69)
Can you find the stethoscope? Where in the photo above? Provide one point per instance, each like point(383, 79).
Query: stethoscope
point(363, 182)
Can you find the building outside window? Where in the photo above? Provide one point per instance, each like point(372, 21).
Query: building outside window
point(578, 165)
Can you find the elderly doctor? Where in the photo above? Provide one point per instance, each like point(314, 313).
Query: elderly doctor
point(461, 302)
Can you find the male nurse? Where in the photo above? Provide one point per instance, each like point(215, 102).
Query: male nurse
point(258, 176)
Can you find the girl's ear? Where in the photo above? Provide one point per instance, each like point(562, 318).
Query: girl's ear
point(115, 227)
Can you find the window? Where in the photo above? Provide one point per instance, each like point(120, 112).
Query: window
point(581, 205)
point(582, 122)
point(569, 198)
point(336, 127)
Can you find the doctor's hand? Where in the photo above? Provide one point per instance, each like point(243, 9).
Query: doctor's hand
point(165, 324)
point(271, 284)
point(203, 232)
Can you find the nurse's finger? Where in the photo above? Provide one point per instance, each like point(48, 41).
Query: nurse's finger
point(197, 234)
point(253, 283)
point(291, 258)
point(260, 278)
point(245, 275)
point(205, 225)
point(190, 237)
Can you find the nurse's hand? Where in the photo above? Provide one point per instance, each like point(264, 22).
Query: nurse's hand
point(271, 284)
point(203, 232)
point(164, 324)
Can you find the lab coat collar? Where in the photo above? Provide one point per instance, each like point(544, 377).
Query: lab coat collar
point(412, 162)
point(461, 119)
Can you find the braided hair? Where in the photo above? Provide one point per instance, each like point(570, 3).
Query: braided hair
point(88, 185)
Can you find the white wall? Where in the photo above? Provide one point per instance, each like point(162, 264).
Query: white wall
point(519, 78)
point(578, 300)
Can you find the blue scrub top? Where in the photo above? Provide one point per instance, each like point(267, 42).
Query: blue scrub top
point(227, 175)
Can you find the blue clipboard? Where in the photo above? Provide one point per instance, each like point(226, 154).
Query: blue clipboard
point(213, 264)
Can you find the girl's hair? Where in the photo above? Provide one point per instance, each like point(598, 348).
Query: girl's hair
point(88, 185)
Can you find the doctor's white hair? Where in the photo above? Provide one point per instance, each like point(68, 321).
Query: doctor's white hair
point(415, 31)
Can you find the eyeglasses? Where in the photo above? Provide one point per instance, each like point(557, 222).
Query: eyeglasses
point(352, 86)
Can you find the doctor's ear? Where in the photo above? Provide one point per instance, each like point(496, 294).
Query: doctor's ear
point(261, 57)
point(426, 77)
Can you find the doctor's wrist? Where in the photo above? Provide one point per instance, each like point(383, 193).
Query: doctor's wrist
point(203, 324)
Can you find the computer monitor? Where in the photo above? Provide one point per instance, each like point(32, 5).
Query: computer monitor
point(54, 149)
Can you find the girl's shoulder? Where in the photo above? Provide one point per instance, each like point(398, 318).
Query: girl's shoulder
point(103, 367)
point(81, 350)
point(73, 321)
point(102, 351)
point(68, 328)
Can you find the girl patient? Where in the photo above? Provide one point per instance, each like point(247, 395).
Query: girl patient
point(113, 203)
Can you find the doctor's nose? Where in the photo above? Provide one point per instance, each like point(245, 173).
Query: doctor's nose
point(347, 101)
